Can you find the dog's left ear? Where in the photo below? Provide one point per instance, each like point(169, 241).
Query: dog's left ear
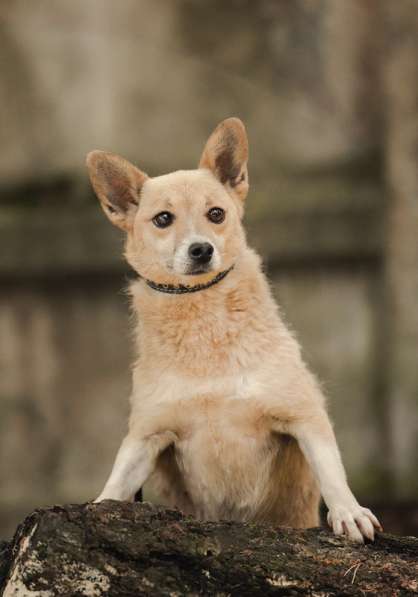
point(226, 155)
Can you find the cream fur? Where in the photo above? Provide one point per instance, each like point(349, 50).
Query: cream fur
point(226, 422)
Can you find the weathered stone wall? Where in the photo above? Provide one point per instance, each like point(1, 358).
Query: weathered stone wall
point(328, 91)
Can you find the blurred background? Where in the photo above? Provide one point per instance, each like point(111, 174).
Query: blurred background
point(328, 90)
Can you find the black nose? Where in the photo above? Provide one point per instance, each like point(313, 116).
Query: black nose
point(201, 252)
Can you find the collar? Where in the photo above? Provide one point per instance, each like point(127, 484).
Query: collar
point(183, 289)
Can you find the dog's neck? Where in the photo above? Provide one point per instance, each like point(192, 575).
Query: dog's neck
point(207, 332)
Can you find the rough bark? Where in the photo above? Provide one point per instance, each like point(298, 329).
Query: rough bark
point(139, 549)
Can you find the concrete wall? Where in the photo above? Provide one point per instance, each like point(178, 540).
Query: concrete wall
point(329, 94)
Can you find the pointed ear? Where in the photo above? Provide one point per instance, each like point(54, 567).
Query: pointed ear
point(226, 155)
point(117, 184)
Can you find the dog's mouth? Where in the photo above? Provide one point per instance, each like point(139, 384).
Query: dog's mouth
point(192, 269)
point(198, 270)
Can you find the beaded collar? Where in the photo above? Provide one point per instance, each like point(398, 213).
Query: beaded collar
point(183, 288)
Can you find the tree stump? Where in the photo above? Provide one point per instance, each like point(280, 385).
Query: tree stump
point(116, 548)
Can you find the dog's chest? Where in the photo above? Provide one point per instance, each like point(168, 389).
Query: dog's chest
point(225, 454)
point(224, 449)
point(171, 391)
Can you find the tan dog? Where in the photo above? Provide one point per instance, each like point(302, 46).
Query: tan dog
point(226, 420)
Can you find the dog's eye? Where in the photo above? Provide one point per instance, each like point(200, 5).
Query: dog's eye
point(163, 219)
point(216, 215)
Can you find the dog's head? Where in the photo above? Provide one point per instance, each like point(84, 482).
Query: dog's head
point(185, 224)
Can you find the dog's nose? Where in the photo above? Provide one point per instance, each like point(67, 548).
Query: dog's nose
point(201, 252)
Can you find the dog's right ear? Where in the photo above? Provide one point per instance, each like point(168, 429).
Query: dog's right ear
point(117, 184)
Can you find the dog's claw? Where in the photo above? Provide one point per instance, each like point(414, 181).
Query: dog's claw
point(355, 522)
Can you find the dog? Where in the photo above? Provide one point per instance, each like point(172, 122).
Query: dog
point(226, 422)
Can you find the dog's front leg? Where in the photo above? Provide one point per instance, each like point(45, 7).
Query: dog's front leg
point(317, 441)
point(134, 463)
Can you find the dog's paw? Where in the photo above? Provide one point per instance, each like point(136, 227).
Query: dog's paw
point(115, 496)
point(107, 495)
point(354, 521)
